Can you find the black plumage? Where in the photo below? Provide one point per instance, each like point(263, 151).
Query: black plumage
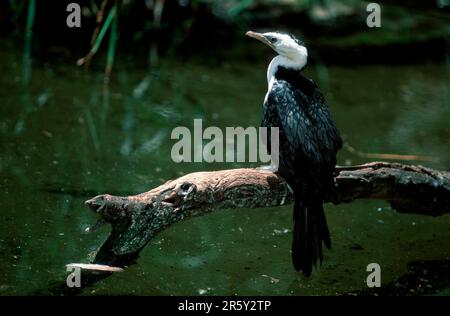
point(308, 143)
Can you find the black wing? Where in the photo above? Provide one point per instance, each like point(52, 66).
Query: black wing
point(308, 134)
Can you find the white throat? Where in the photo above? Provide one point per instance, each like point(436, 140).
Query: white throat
point(297, 62)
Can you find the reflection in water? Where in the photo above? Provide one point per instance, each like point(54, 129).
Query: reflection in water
point(65, 139)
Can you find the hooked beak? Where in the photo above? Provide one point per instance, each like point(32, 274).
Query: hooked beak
point(260, 37)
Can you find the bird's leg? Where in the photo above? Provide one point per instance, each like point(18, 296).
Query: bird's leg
point(274, 168)
point(289, 188)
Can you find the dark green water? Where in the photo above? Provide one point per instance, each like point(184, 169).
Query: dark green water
point(64, 139)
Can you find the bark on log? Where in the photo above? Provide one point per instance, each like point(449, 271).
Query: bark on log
point(137, 219)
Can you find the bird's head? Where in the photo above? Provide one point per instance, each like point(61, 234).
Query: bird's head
point(284, 44)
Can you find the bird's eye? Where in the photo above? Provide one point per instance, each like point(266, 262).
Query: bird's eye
point(273, 40)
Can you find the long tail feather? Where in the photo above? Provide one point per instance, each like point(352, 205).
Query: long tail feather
point(310, 230)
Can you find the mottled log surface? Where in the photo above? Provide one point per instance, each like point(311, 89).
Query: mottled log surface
point(137, 219)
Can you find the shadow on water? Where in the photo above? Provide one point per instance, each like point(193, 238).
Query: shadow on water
point(60, 288)
point(431, 277)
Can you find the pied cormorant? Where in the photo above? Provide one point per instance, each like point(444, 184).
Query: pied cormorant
point(308, 144)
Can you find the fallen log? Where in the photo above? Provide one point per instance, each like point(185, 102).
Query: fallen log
point(135, 220)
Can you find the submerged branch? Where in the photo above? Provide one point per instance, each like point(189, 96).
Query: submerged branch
point(137, 219)
point(361, 154)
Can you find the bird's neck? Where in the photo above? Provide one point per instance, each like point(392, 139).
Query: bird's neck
point(296, 63)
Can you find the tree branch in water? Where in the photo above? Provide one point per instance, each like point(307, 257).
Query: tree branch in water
point(135, 220)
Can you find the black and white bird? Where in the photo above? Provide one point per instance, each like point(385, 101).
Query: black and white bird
point(308, 144)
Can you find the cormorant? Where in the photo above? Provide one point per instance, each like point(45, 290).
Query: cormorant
point(308, 144)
